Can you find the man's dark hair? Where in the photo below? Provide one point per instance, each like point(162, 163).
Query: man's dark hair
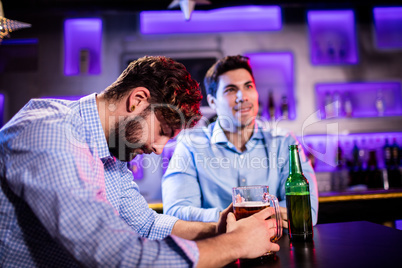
point(171, 87)
point(222, 66)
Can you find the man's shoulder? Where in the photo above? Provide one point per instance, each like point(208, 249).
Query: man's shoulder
point(37, 109)
point(198, 135)
point(43, 117)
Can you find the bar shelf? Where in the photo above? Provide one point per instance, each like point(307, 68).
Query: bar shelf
point(274, 77)
point(368, 99)
point(388, 25)
point(332, 36)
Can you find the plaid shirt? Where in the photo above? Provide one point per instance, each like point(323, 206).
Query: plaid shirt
point(66, 202)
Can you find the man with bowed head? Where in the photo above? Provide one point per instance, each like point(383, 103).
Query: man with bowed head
point(68, 200)
point(236, 150)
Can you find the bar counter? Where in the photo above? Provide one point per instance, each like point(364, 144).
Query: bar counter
point(335, 245)
point(376, 206)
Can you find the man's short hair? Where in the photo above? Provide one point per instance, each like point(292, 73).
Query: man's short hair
point(222, 66)
point(176, 94)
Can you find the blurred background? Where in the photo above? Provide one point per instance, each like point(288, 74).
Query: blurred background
point(330, 71)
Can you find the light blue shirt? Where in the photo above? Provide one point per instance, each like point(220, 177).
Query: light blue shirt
point(205, 166)
point(66, 202)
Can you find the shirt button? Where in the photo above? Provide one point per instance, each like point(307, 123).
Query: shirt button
point(241, 156)
point(243, 181)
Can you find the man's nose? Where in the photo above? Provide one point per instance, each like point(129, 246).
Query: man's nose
point(241, 96)
point(158, 146)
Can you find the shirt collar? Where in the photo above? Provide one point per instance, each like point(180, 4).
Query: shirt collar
point(218, 135)
point(90, 115)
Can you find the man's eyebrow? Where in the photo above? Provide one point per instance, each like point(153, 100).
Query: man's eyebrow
point(230, 86)
point(248, 82)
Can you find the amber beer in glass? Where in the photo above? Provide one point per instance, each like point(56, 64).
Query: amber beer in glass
point(248, 200)
point(298, 200)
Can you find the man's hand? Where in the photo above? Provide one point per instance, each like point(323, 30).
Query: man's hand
point(284, 215)
point(221, 226)
point(253, 233)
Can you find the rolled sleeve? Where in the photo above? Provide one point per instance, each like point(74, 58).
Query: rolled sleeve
point(181, 189)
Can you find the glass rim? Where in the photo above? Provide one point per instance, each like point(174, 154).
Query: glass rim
point(250, 187)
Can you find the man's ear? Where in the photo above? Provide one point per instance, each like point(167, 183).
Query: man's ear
point(211, 101)
point(139, 96)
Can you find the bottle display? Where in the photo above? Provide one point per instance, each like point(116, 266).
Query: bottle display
point(337, 104)
point(284, 107)
point(329, 105)
point(298, 200)
point(271, 105)
point(392, 164)
point(379, 103)
point(348, 106)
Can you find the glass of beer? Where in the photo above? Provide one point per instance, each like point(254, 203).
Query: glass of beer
point(248, 200)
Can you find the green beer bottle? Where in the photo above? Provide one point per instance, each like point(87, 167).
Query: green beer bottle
point(298, 200)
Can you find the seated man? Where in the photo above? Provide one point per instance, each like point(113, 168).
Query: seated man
point(67, 198)
point(236, 150)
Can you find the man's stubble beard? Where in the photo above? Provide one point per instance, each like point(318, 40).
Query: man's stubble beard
point(126, 136)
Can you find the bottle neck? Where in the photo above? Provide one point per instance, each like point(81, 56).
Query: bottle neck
point(294, 161)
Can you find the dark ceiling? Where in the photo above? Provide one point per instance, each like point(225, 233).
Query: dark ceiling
point(138, 5)
point(293, 9)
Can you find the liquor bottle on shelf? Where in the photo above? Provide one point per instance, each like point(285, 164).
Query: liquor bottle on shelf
point(331, 51)
point(395, 156)
point(363, 154)
point(329, 105)
point(379, 103)
point(284, 107)
point(387, 154)
point(394, 173)
point(298, 201)
point(342, 52)
point(271, 105)
point(374, 177)
point(355, 171)
point(337, 177)
point(348, 105)
point(337, 104)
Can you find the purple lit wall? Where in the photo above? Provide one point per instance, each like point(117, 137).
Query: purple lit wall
point(274, 72)
point(324, 147)
point(70, 98)
point(332, 37)
point(1, 109)
point(388, 27)
point(369, 99)
point(136, 167)
point(82, 46)
point(242, 18)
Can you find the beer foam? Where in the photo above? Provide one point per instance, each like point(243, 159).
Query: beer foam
point(252, 204)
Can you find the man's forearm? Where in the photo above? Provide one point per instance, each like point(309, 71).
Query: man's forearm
point(194, 230)
point(218, 251)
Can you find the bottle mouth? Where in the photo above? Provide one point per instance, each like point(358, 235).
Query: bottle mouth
point(294, 146)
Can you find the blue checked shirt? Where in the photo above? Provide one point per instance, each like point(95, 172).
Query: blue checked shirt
point(66, 202)
point(205, 166)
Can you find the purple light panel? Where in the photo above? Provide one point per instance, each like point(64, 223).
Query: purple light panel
point(388, 27)
point(229, 19)
point(82, 35)
point(274, 72)
point(326, 145)
point(332, 37)
point(364, 98)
